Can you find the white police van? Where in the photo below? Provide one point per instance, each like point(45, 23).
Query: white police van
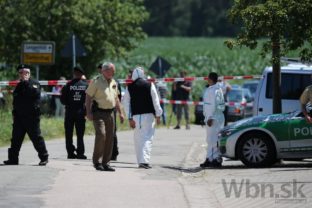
point(295, 77)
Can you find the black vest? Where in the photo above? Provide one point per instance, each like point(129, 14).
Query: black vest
point(141, 100)
point(74, 95)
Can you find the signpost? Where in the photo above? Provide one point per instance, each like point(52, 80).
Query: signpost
point(38, 53)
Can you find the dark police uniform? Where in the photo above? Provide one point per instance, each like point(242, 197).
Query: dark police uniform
point(115, 151)
point(26, 119)
point(73, 97)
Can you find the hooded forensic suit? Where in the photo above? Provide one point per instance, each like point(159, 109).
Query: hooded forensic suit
point(213, 109)
point(141, 104)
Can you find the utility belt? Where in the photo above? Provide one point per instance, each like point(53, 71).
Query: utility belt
point(105, 110)
point(95, 108)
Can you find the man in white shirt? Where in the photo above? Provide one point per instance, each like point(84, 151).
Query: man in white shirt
point(141, 103)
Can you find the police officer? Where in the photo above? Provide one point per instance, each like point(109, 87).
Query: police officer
point(73, 97)
point(115, 151)
point(26, 117)
point(305, 99)
point(104, 94)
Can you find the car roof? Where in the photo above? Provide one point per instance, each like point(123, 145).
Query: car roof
point(251, 82)
point(293, 67)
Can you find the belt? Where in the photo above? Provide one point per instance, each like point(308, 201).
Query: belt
point(105, 110)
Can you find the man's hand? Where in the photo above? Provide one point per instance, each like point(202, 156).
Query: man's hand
point(132, 123)
point(122, 118)
point(158, 120)
point(210, 122)
point(308, 118)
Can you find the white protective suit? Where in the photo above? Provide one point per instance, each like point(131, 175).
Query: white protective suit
point(145, 123)
point(213, 109)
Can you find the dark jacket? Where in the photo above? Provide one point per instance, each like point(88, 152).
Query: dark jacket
point(26, 98)
point(73, 95)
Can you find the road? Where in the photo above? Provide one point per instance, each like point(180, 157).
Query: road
point(174, 181)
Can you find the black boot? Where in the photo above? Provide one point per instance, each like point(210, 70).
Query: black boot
point(217, 163)
point(205, 164)
point(13, 158)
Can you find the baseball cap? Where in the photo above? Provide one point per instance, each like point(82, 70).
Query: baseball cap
point(79, 69)
point(23, 66)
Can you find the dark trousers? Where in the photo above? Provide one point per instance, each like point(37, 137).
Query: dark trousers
point(31, 126)
point(115, 145)
point(78, 120)
point(163, 115)
point(104, 133)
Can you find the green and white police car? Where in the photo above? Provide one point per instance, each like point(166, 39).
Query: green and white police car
point(259, 141)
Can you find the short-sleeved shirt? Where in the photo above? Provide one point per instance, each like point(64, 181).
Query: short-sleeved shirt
point(306, 96)
point(103, 92)
point(182, 94)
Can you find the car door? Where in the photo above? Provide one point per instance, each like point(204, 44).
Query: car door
point(300, 134)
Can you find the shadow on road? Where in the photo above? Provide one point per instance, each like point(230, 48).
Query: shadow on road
point(302, 166)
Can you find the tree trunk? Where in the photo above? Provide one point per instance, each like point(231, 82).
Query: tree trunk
point(277, 103)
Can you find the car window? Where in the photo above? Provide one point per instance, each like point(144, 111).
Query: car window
point(292, 85)
point(235, 96)
point(251, 86)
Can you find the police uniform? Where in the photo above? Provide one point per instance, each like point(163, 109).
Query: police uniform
point(115, 151)
point(26, 119)
point(73, 97)
point(306, 95)
point(104, 94)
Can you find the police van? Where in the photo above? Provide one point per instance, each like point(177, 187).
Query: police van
point(295, 77)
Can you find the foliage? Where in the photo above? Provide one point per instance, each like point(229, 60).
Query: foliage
point(105, 28)
point(198, 56)
point(287, 25)
point(289, 20)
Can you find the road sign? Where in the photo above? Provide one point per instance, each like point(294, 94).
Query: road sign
point(38, 52)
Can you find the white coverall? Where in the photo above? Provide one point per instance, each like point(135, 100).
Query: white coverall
point(145, 123)
point(213, 109)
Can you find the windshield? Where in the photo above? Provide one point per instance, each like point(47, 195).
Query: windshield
point(235, 95)
point(251, 87)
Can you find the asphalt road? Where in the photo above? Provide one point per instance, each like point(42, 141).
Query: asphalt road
point(174, 181)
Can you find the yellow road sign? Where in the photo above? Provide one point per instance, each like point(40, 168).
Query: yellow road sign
point(38, 52)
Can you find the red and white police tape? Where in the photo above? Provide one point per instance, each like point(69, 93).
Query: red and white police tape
point(183, 102)
point(128, 81)
point(165, 101)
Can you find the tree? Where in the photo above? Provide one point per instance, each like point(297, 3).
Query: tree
point(107, 28)
point(285, 24)
point(209, 18)
point(168, 18)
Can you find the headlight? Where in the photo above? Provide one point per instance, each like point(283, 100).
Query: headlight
point(226, 132)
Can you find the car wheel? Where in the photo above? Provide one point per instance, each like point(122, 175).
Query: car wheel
point(256, 150)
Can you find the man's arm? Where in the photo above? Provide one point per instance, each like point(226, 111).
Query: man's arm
point(186, 87)
point(119, 110)
point(156, 103)
point(88, 107)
